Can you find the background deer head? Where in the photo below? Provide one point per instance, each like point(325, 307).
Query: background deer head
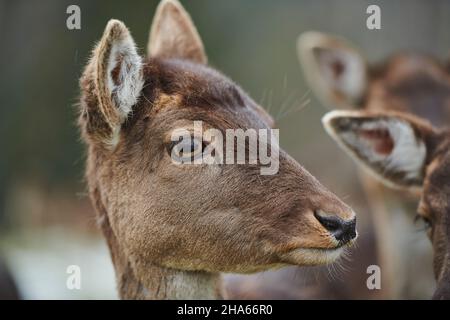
point(171, 227)
point(405, 152)
point(341, 78)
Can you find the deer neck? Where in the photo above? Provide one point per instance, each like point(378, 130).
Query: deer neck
point(157, 282)
point(163, 283)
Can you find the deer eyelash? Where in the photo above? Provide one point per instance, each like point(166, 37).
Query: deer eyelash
point(195, 145)
point(428, 224)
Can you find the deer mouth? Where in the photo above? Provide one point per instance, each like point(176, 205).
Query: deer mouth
point(315, 256)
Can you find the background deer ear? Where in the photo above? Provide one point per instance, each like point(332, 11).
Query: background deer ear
point(335, 71)
point(392, 147)
point(173, 34)
point(112, 82)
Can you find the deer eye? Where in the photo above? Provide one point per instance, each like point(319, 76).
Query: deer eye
point(423, 222)
point(186, 149)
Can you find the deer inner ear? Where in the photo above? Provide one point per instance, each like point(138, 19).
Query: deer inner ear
point(380, 139)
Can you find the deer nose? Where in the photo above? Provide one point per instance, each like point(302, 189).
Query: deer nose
point(342, 230)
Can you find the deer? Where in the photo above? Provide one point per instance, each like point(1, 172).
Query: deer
point(406, 82)
point(405, 152)
point(174, 229)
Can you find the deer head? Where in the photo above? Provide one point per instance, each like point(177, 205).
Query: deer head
point(405, 152)
point(341, 78)
point(172, 228)
point(405, 82)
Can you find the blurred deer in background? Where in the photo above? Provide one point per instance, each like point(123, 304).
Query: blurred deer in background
point(407, 82)
point(173, 228)
point(406, 152)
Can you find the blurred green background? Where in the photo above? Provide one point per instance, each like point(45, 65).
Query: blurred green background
point(46, 221)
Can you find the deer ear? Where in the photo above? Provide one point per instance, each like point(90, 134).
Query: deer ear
point(112, 82)
point(392, 147)
point(173, 34)
point(334, 70)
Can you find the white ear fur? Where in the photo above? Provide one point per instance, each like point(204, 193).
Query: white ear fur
point(402, 166)
point(124, 71)
point(319, 54)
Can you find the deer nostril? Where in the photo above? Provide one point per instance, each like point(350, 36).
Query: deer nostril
point(342, 230)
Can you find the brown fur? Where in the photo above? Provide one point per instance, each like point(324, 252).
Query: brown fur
point(411, 83)
point(173, 228)
point(435, 207)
